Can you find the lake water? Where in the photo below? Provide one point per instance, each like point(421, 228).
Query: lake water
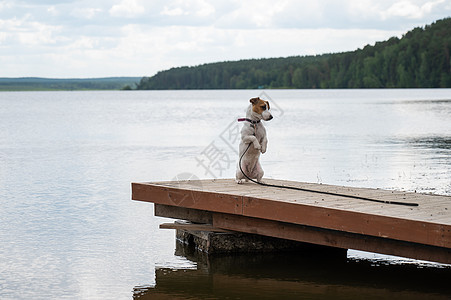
point(68, 229)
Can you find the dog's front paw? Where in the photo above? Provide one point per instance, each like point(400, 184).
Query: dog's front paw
point(263, 150)
point(239, 181)
point(257, 146)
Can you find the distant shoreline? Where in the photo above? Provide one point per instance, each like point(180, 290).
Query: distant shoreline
point(69, 84)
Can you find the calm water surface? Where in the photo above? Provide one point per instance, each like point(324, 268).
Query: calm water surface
point(68, 228)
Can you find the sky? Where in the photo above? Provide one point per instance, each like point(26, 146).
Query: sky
point(100, 38)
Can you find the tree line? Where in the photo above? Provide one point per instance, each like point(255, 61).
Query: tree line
point(50, 84)
point(420, 59)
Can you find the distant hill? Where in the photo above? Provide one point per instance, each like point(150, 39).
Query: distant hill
point(48, 84)
point(420, 59)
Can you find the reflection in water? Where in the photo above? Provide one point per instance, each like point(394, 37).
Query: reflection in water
point(294, 276)
point(435, 143)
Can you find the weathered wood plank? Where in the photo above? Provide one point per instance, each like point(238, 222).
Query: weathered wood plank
point(189, 214)
point(193, 227)
point(183, 197)
point(332, 238)
point(349, 221)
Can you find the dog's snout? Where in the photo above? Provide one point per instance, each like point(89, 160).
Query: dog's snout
point(266, 115)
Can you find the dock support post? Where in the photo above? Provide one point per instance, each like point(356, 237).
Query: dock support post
point(221, 243)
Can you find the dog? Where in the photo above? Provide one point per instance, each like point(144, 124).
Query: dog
point(253, 140)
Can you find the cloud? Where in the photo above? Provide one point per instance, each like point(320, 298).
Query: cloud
point(86, 12)
point(173, 12)
point(127, 9)
point(53, 11)
point(4, 5)
point(88, 38)
point(193, 8)
point(411, 10)
point(26, 33)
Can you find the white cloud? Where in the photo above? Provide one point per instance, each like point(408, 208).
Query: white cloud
point(5, 5)
point(204, 9)
point(127, 9)
point(25, 33)
point(411, 10)
point(251, 14)
point(172, 12)
point(136, 37)
point(192, 8)
point(86, 12)
point(53, 11)
point(404, 9)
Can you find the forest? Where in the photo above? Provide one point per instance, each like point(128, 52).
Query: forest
point(419, 59)
point(49, 84)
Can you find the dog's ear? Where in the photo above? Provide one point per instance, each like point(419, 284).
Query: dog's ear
point(254, 100)
point(267, 103)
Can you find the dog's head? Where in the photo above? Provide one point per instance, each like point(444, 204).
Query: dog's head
point(261, 108)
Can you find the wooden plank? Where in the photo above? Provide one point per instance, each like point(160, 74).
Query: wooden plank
point(189, 214)
point(175, 196)
point(331, 200)
point(193, 227)
point(331, 238)
point(349, 221)
point(365, 192)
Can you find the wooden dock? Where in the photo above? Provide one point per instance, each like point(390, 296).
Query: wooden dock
point(421, 232)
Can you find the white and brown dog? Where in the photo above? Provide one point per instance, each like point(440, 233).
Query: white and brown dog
point(253, 132)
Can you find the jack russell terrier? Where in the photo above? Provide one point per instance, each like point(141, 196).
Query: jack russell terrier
point(253, 132)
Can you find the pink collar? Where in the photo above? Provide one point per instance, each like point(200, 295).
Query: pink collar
point(249, 120)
